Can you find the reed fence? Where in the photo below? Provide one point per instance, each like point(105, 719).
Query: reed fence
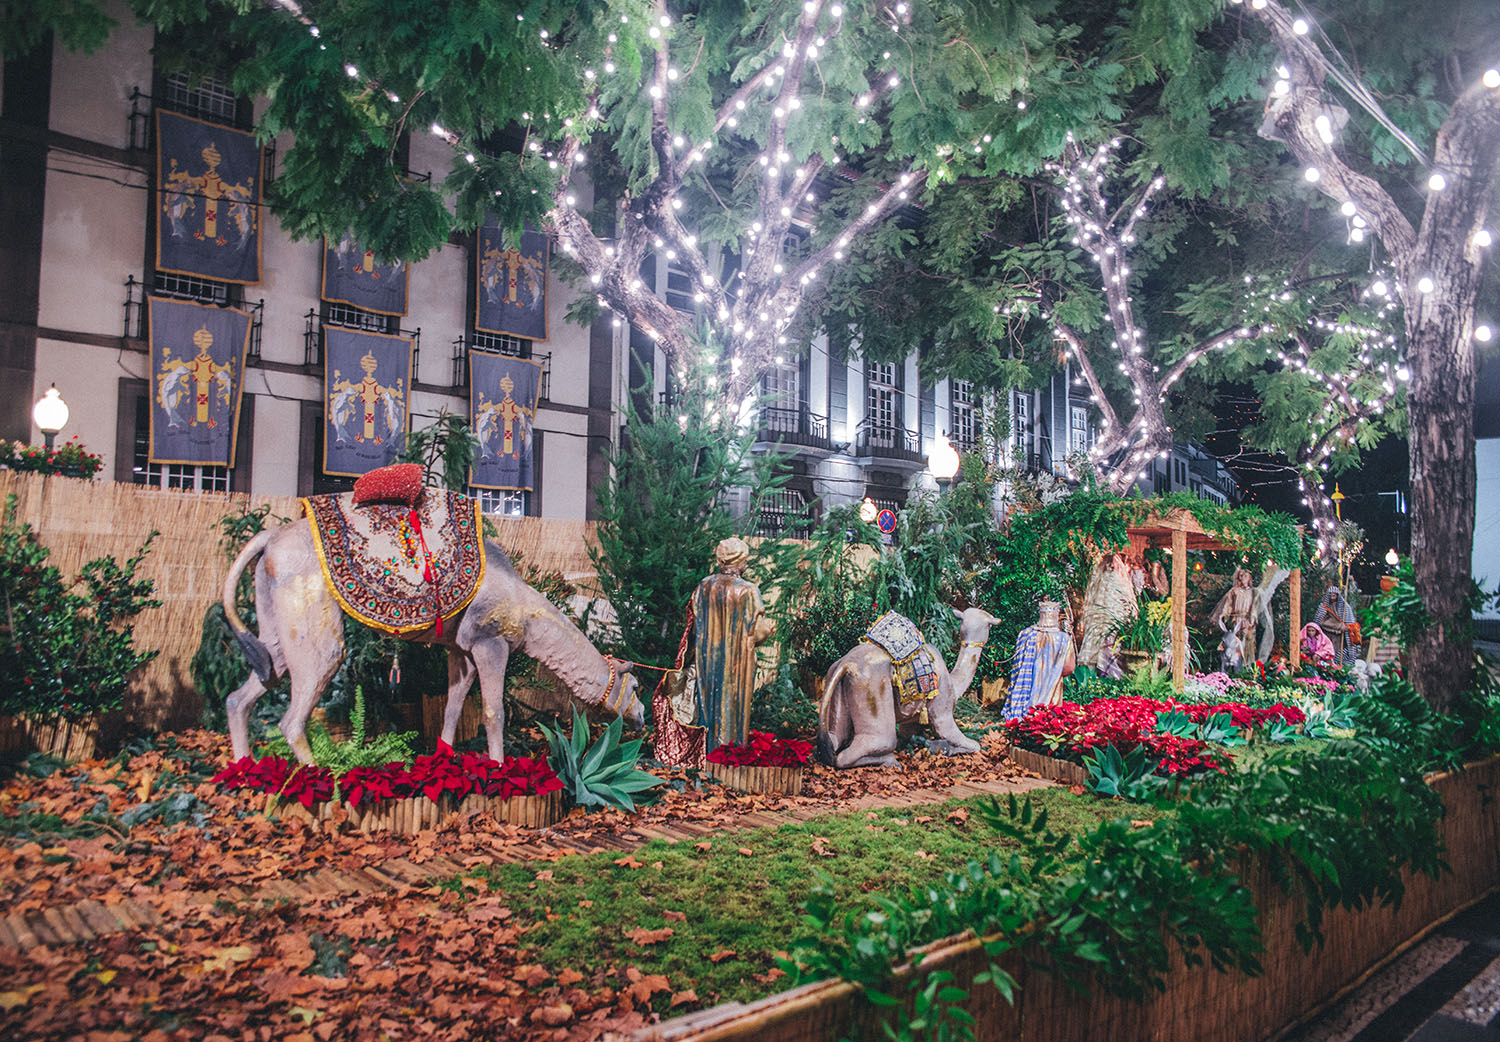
point(79, 520)
point(1199, 1004)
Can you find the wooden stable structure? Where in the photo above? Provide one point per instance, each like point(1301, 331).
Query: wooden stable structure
point(1178, 532)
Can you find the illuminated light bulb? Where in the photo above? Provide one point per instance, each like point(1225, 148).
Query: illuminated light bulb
point(654, 33)
point(351, 72)
point(1425, 285)
point(1437, 182)
point(1348, 209)
point(665, 22)
point(571, 200)
point(1325, 129)
point(1021, 105)
point(394, 97)
point(1311, 174)
point(1491, 78)
point(1378, 287)
point(609, 66)
point(836, 10)
point(672, 74)
point(1300, 27)
point(1403, 374)
point(1482, 238)
point(543, 34)
point(1357, 235)
point(1282, 88)
point(1482, 333)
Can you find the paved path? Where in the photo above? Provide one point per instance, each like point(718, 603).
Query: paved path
point(83, 921)
point(1444, 989)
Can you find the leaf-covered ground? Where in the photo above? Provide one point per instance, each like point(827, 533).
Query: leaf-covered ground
point(532, 939)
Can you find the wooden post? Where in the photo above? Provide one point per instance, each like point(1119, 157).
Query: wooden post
point(1179, 608)
point(1294, 589)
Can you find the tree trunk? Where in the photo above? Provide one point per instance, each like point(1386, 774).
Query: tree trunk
point(1440, 405)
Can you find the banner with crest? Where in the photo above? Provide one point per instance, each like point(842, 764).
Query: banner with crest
point(366, 399)
point(208, 186)
point(511, 295)
point(197, 376)
point(503, 395)
point(352, 275)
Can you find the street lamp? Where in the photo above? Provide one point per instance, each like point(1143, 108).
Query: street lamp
point(942, 461)
point(1392, 558)
point(868, 511)
point(50, 414)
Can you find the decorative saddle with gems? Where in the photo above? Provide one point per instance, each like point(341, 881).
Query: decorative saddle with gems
point(397, 568)
point(913, 665)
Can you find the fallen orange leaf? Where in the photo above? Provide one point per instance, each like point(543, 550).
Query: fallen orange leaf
point(747, 851)
point(719, 956)
point(641, 935)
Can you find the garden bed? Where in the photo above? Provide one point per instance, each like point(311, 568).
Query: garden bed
point(1050, 767)
point(1198, 1003)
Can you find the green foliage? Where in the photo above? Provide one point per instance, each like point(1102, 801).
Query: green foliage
point(1337, 823)
point(218, 666)
point(601, 775)
point(355, 751)
point(663, 510)
point(445, 449)
point(783, 707)
point(1131, 776)
point(1108, 905)
point(65, 651)
point(1085, 685)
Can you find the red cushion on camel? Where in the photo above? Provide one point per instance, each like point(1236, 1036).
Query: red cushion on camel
point(398, 483)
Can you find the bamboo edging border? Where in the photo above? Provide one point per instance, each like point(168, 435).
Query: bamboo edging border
point(55, 736)
point(415, 814)
point(767, 781)
point(1049, 766)
point(1199, 1004)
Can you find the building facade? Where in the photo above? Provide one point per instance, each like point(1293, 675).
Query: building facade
point(78, 160)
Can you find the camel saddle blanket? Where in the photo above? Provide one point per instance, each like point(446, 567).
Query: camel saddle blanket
point(913, 665)
point(394, 568)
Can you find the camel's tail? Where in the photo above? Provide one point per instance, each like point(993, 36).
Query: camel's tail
point(256, 652)
point(834, 724)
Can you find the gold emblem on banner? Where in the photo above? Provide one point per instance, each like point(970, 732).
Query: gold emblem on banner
point(197, 379)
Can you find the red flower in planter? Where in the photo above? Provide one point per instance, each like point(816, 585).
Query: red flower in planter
point(763, 750)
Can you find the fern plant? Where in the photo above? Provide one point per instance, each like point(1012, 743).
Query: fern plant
point(342, 757)
point(603, 775)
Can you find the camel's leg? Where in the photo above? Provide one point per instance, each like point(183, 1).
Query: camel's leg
point(490, 657)
point(241, 700)
point(461, 671)
point(311, 661)
point(874, 741)
point(951, 740)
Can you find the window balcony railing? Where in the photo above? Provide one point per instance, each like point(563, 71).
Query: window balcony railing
point(889, 443)
point(794, 427)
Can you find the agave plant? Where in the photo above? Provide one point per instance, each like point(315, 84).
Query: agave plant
point(603, 775)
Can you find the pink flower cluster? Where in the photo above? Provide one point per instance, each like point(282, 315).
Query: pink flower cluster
point(1217, 680)
point(442, 773)
point(1073, 730)
point(763, 750)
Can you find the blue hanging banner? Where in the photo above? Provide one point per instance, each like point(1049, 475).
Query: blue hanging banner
point(511, 295)
point(352, 275)
point(503, 395)
point(366, 399)
point(197, 368)
point(208, 183)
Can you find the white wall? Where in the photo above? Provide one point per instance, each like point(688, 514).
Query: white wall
point(1486, 560)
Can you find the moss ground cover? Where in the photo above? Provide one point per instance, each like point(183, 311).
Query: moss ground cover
point(743, 893)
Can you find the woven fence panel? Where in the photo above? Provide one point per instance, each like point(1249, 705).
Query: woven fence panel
point(79, 520)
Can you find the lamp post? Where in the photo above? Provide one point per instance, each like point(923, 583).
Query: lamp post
point(943, 462)
point(50, 414)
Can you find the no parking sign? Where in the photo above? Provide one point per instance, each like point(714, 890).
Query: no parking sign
point(886, 521)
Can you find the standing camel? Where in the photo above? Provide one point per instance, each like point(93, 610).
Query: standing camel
point(860, 718)
point(301, 635)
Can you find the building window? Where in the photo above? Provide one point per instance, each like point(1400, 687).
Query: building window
point(680, 293)
point(784, 515)
point(206, 97)
point(883, 415)
point(502, 502)
point(964, 416)
point(134, 430)
point(1021, 436)
point(1181, 469)
point(1078, 428)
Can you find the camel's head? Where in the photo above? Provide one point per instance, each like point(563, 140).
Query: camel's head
point(974, 625)
point(634, 713)
point(622, 694)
